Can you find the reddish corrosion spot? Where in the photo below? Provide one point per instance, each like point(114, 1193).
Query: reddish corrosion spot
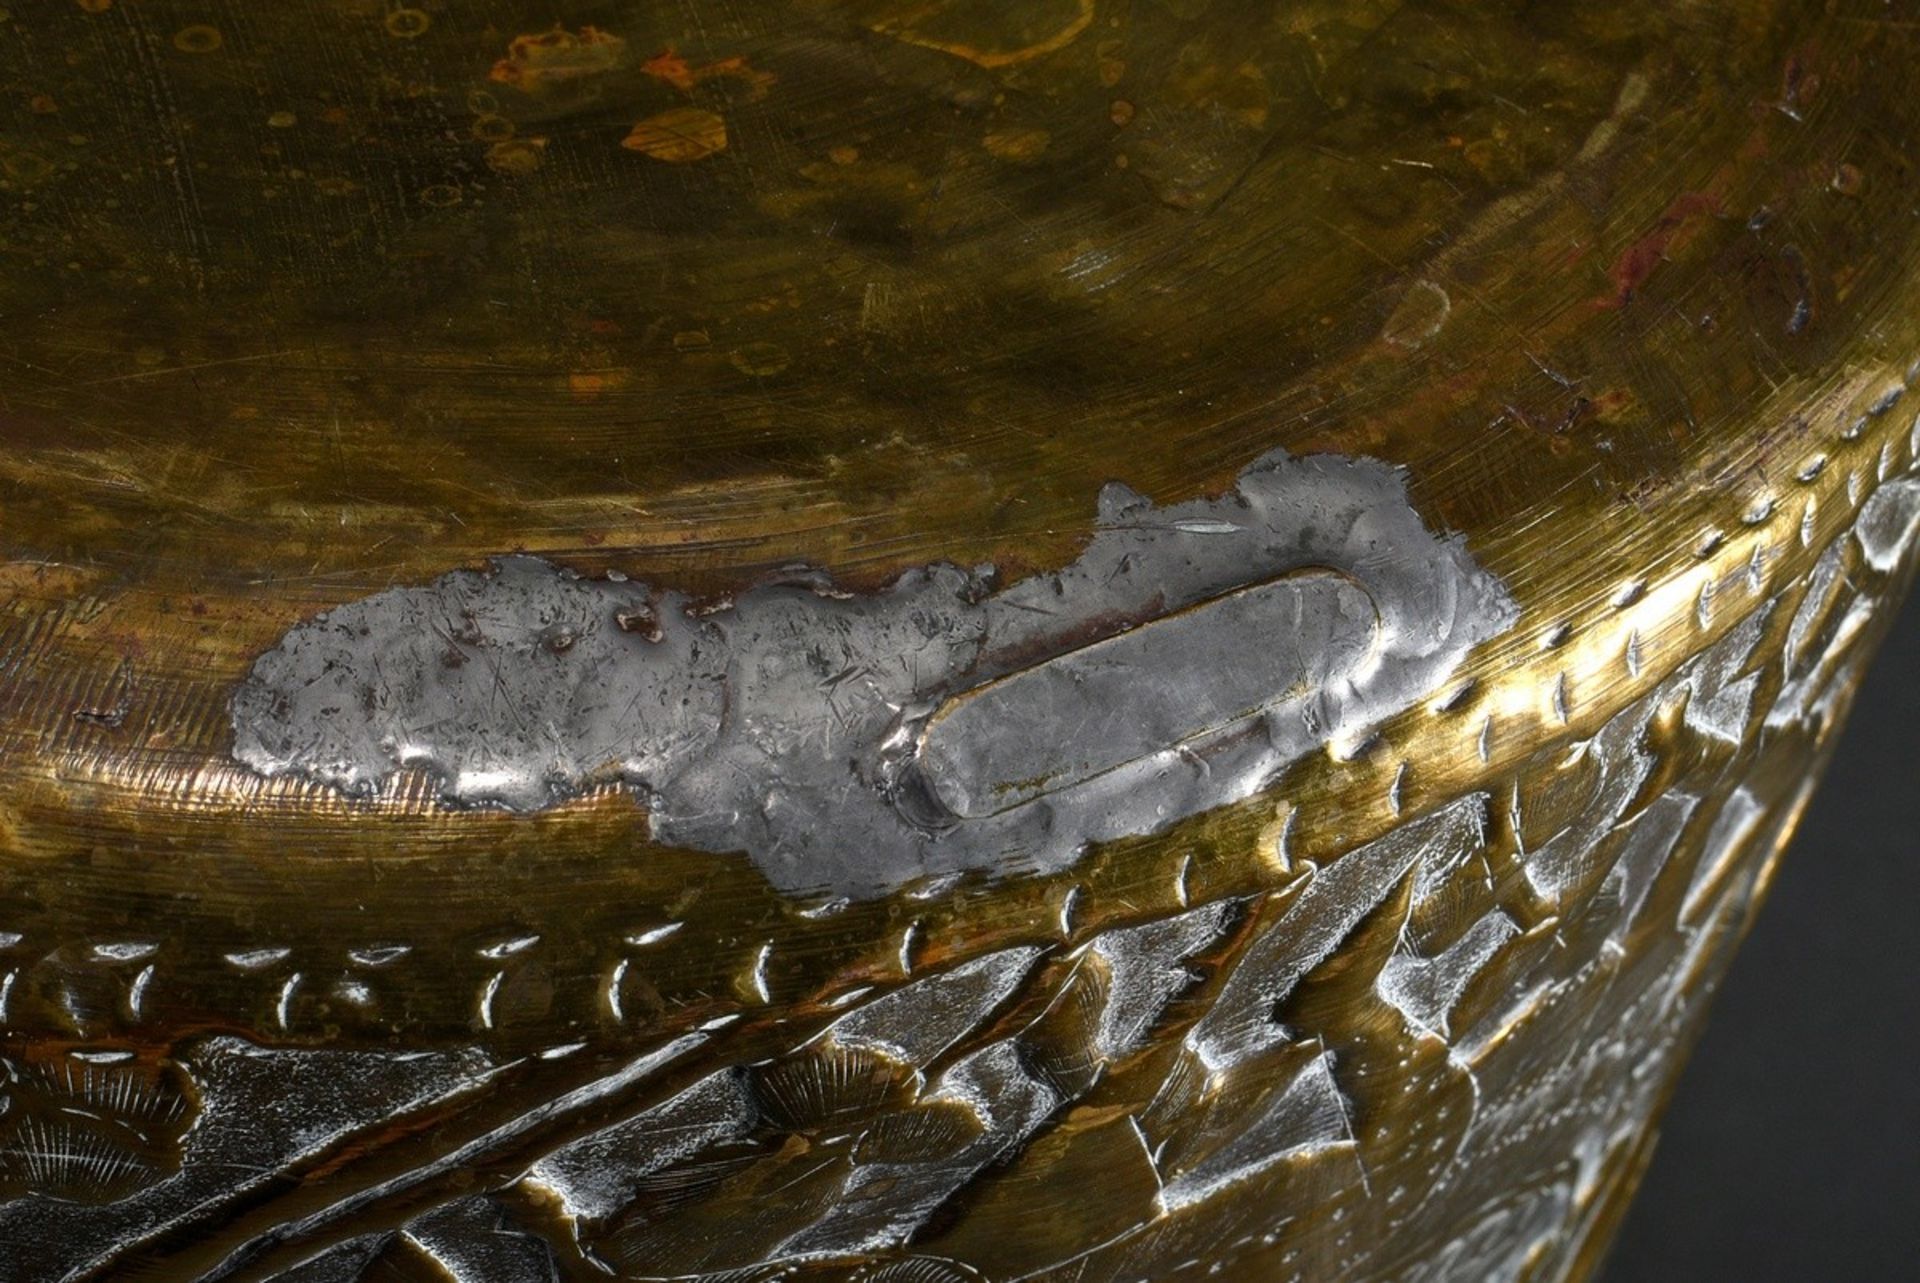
point(669, 66)
point(1678, 225)
point(1797, 85)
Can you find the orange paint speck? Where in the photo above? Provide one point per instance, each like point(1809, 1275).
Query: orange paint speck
point(678, 136)
point(675, 70)
point(535, 64)
point(1017, 144)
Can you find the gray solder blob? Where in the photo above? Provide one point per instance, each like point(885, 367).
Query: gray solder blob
point(854, 743)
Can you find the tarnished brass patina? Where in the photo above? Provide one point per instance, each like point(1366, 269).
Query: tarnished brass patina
point(915, 642)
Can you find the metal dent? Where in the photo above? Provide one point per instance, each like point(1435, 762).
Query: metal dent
point(852, 743)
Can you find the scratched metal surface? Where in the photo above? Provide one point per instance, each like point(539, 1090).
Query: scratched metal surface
point(1465, 451)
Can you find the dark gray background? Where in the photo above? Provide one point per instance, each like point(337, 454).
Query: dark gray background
point(1792, 1148)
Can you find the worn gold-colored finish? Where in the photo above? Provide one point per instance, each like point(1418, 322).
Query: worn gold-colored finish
point(312, 301)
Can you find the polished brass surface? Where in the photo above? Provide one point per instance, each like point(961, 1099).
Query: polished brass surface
point(312, 300)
